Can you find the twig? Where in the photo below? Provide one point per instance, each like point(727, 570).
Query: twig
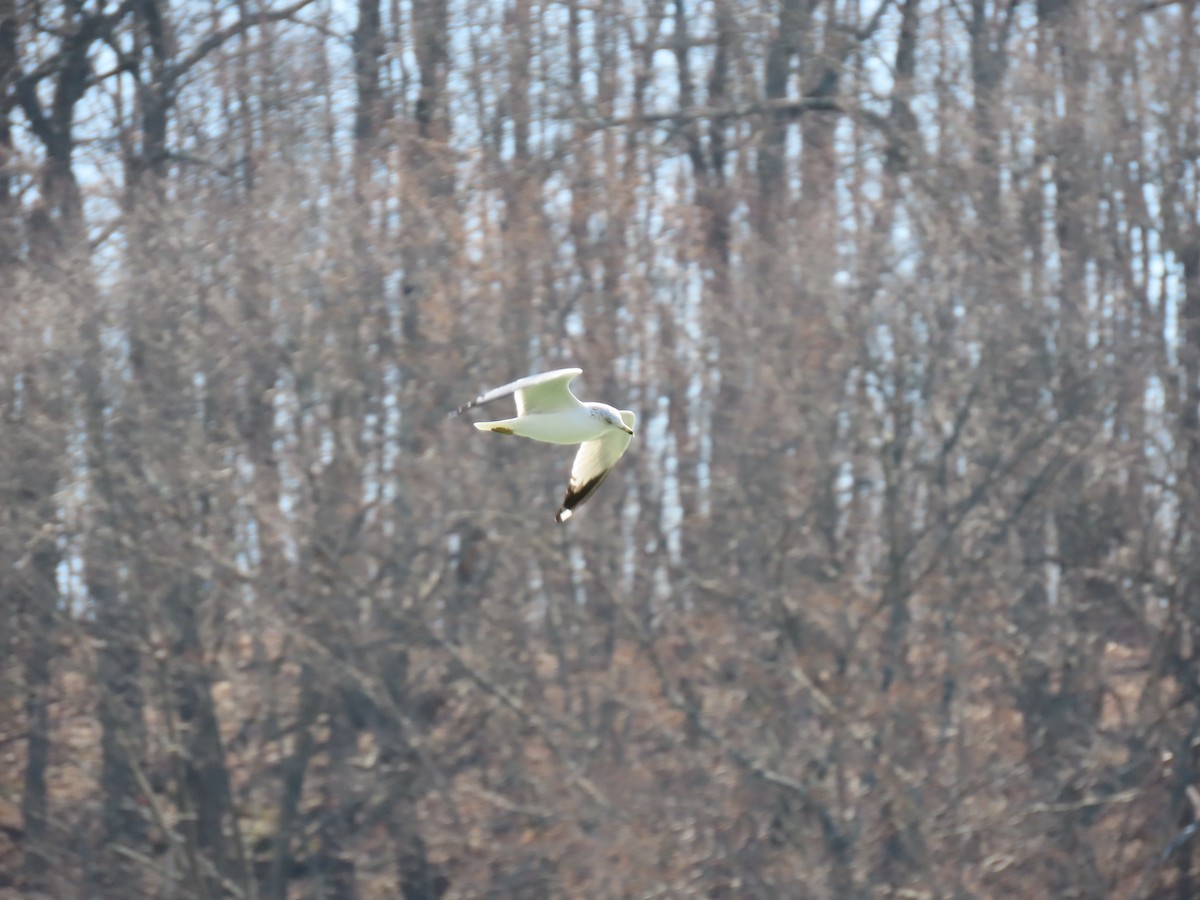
point(681, 116)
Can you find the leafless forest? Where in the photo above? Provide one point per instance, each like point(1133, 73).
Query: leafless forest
point(896, 594)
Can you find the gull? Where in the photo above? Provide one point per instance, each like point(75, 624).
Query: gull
point(547, 411)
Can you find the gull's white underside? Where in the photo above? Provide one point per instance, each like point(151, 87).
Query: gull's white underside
point(571, 426)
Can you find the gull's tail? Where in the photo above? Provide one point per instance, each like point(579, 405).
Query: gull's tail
point(500, 426)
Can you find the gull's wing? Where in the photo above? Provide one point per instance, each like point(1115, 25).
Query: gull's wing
point(593, 462)
point(548, 392)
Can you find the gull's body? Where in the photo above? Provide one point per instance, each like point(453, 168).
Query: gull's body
point(568, 426)
point(547, 411)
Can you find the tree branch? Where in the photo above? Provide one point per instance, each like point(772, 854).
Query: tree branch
point(784, 104)
point(176, 71)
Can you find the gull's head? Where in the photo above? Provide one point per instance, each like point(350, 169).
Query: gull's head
point(613, 418)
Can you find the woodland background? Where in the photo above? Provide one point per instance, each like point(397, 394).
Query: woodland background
point(895, 595)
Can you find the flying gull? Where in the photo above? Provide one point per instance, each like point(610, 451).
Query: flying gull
point(548, 411)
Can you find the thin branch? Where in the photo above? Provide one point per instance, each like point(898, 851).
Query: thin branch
point(1180, 839)
point(681, 116)
point(177, 70)
point(1126, 796)
point(873, 23)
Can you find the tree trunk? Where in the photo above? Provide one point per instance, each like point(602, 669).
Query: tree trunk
point(9, 69)
point(204, 784)
point(39, 587)
point(294, 769)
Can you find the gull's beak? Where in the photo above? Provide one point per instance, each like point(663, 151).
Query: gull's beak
point(627, 429)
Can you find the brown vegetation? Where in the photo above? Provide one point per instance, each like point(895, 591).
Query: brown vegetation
point(895, 595)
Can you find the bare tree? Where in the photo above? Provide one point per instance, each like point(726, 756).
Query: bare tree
point(893, 595)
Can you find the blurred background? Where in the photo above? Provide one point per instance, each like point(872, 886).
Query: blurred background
point(894, 595)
